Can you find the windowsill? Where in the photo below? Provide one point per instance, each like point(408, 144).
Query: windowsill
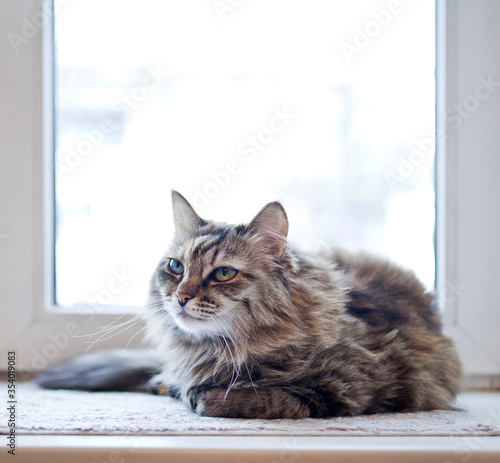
point(132, 449)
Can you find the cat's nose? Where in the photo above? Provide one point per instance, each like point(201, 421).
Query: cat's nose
point(183, 298)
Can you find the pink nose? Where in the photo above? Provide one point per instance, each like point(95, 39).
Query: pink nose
point(183, 298)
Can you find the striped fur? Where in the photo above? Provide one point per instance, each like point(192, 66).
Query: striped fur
point(292, 335)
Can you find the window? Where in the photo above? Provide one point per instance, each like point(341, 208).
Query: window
point(327, 107)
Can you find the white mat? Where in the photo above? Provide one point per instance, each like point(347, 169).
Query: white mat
point(42, 411)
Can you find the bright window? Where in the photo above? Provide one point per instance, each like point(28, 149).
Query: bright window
point(326, 106)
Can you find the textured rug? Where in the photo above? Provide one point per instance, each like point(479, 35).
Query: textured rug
point(40, 411)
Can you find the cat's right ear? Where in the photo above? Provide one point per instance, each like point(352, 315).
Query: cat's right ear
point(271, 226)
point(185, 217)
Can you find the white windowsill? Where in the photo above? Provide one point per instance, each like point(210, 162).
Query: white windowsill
point(136, 449)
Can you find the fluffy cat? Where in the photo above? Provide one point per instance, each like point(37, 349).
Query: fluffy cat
point(245, 326)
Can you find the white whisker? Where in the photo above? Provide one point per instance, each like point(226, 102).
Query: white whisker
point(236, 371)
point(136, 334)
point(108, 327)
point(104, 337)
point(239, 354)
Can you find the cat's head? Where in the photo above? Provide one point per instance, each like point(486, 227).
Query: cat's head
point(218, 279)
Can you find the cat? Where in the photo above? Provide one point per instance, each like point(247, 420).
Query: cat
point(245, 326)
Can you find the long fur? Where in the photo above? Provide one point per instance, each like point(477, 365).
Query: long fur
point(291, 335)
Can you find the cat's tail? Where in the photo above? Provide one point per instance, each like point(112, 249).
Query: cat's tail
point(109, 370)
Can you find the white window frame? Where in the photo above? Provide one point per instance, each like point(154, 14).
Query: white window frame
point(41, 335)
point(468, 52)
point(32, 325)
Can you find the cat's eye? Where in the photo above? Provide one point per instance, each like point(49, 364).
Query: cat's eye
point(224, 273)
point(175, 266)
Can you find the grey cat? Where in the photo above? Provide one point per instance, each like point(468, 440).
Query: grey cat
point(245, 326)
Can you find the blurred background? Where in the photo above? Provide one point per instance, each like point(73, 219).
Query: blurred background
point(326, 106)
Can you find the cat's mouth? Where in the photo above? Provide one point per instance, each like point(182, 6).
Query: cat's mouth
point(186, 316)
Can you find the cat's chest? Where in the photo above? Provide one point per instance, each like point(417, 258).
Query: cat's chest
point(190, 366)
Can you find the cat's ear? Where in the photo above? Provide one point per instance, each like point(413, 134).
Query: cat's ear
point(185, 217)
point(271, 225)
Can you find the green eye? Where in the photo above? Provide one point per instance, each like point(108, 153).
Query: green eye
point(224, 273)
point(175, 266)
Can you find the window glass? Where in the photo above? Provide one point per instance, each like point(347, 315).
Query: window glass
point(325, 106)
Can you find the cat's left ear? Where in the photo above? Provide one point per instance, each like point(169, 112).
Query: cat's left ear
point(271, 225)
point(185, 217)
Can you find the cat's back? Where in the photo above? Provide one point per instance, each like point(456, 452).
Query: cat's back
point(418, 367)
point(384, 294)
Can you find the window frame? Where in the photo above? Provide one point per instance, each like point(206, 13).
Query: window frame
point(41, 335)
point(469, 304)
point(38, 331)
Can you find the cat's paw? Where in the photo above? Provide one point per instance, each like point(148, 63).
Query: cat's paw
point(157, 387)
point(207, 404)
point(264, 404)
point(219, 403)
point(213, 403)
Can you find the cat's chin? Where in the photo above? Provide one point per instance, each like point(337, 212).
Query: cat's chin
point(188, 318)
point(195, 327)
